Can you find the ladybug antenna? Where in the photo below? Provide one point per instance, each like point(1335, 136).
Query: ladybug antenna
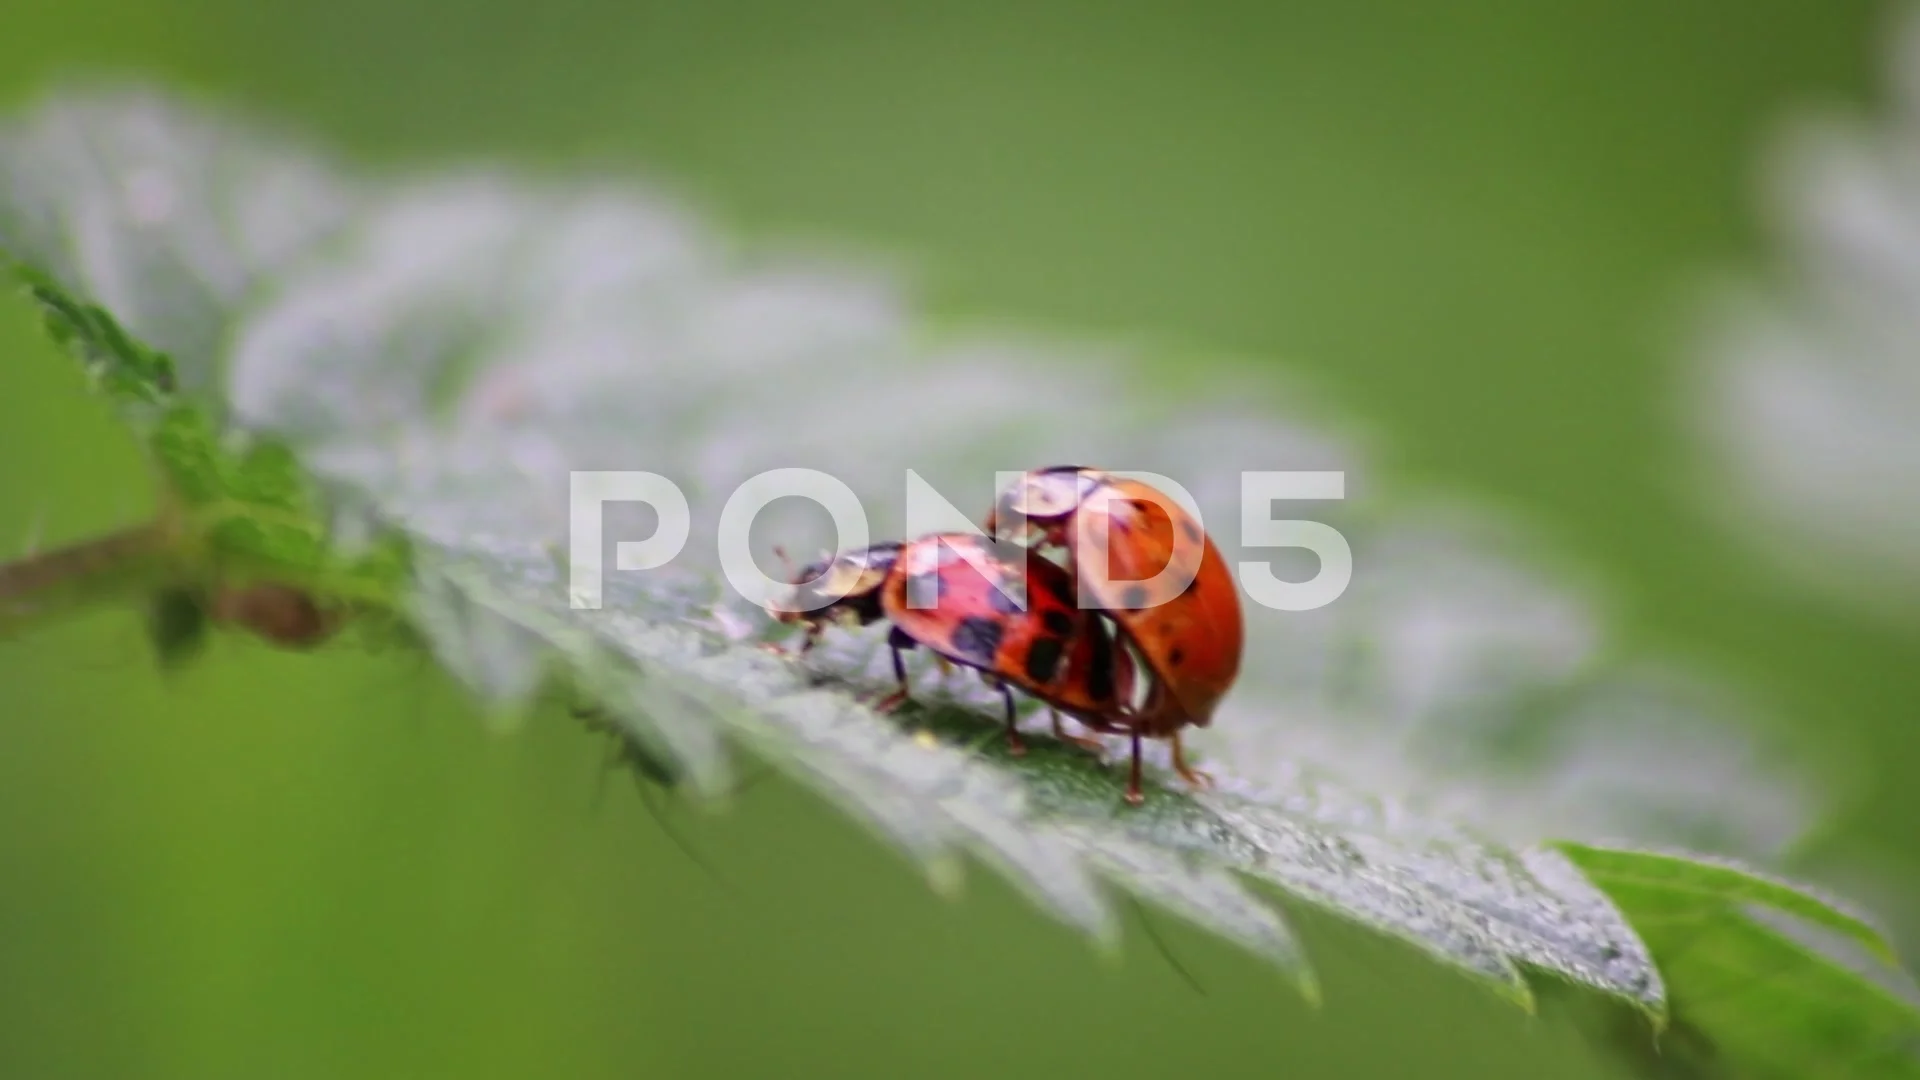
point(793, 578)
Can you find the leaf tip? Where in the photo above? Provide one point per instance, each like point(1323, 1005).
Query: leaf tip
point(946, 876)
point(1307, 984)
point(1517, 992)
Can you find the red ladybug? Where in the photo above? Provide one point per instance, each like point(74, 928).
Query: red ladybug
point(1043, 645)
point(1190, 640)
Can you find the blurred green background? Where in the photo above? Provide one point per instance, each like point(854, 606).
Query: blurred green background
point(1478, 225)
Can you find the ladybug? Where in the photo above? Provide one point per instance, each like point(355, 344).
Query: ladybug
point(1189, 640)
point(943, 591)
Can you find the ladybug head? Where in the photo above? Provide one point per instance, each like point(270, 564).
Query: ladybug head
point(1045, 496)
point(847, 583)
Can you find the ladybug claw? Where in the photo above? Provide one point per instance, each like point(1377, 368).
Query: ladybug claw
point(891, 702)
point(1193, 776)
point(1134, 795)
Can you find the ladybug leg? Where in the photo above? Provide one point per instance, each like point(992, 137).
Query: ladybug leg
point(896, 641)
point(1134, 797)
point(945, 665)
point(1091, 746)
point(1014, 745)
point(1187, 772)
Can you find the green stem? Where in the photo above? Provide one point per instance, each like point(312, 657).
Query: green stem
point(120, 565)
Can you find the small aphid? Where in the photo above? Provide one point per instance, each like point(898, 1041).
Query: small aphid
point(652, 774)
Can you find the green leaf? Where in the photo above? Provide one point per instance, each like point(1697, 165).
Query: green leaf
point(255, 507)
point(379, 396)
point(1768, 976)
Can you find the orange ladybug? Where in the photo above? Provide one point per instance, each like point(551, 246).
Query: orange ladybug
point(1189, 639)
point(934, 596)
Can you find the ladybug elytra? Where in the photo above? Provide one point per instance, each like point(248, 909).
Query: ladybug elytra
point(997, 608)
point(1184, 623)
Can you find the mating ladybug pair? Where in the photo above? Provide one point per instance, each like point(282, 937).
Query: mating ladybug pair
point(1140, 660)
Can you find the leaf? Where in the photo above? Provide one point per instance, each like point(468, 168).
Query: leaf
point(255, 505)
point(385, 403)
point(1770, 976)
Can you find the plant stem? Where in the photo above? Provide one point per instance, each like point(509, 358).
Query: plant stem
point(122, 564)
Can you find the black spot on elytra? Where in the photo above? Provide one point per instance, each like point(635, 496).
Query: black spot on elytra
point(977, 640)
point(1176, 657)
point(923, 590)
point(1134, 598)
point(1058, 623)
point(1043, 659)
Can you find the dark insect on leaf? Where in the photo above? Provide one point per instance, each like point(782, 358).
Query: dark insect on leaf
point(176, 627)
